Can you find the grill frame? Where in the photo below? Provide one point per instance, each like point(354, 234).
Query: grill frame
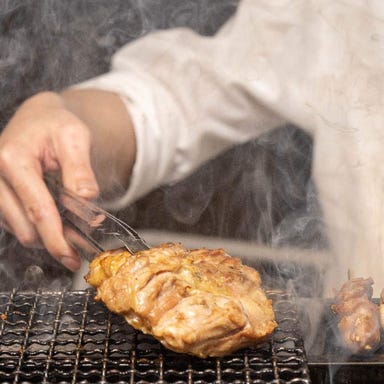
point(67, 337)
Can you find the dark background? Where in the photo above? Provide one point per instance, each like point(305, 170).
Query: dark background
point(258, 191)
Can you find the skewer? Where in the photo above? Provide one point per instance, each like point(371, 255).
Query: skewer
point(358, 316)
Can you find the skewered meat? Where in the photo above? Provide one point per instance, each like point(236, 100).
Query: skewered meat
point(202, 302)
point(358, 316)
point(381, 309)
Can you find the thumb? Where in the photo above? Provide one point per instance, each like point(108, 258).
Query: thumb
point(73, 153)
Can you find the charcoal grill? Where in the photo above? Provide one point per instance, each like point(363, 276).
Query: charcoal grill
point(67, 337)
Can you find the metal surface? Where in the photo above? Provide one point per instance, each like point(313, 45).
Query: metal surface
point(94, 225)
point(67, 337)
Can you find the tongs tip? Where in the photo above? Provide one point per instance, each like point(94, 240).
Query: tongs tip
point(95, 225)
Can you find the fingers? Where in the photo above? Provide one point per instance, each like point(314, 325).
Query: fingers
point(43, 136)
point(14, 219)
point(73, 152)
point(30, 212)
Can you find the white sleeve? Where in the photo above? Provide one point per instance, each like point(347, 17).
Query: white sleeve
point(187, 100)
point(316, 63)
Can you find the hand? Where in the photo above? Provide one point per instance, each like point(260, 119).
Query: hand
point(85, 135)
point(43, 136)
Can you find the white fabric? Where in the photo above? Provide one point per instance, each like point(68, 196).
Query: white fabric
point(316, 63)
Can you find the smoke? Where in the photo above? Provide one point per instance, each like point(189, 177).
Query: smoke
point(259, 191)
point(52, 44)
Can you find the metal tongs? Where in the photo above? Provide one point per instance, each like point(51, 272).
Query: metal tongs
point(99, 228)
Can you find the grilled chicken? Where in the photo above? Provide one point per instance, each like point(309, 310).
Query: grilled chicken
point(381, 309)
point(358, 316)
point(201, 302)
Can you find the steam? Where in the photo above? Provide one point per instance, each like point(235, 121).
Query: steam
point(260, 191)
point(50, 45)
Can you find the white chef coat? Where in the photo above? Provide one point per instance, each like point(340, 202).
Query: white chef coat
point(316, 63)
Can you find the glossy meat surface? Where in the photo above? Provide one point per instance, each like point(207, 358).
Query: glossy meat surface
point(202, 302)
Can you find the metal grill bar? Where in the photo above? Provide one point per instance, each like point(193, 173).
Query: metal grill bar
point(67, 337)
point(54, 336)
point(26, 337)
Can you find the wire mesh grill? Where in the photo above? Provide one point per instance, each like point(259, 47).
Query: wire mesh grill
point(67, 337)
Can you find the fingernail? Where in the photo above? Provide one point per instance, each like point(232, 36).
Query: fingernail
point(86, 189)
point(70, 263)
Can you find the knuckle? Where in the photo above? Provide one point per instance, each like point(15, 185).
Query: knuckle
point(37, 212)
point(27, 238)
point(78, 138)
point(8, 155)
point(76, 132)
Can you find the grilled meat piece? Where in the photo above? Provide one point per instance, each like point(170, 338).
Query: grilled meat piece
point(358, 316)
point(202, 302)
point(381, 309)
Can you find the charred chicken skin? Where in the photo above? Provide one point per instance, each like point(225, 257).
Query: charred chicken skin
point(201, 302)
point(358, 316)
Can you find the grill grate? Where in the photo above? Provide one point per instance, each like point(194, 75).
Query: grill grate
point(67, 337)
